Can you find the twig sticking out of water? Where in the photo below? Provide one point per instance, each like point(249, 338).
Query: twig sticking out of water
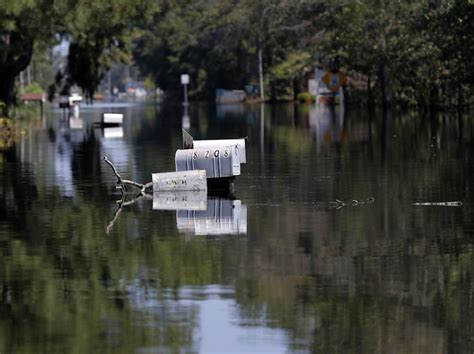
point(121, 203)
point(122, 183)
point(450, 204)
point(354, 202)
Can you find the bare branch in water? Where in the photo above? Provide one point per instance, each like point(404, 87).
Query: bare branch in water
point(122, 183)
point(339, 204)
point(121, 203)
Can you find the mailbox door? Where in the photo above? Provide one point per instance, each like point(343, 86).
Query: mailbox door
point(220, 162)
point(237, 144)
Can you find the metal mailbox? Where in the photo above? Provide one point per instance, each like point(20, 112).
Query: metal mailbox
point(218, 162)
point(237, 144)
point(186, 180)
point(112, 119)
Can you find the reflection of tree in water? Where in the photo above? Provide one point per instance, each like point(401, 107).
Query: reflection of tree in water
point(17, 190)
point(372, 279)
point(86, 166)
point(357, 290)
point(78, 285)
point(365, 279)
point(70, 286)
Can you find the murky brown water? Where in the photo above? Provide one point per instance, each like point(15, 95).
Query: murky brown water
point(281, 268)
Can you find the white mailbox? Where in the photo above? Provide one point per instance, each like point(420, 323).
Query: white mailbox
point(112, 119)
point(184, 180)
point(69, 101)
point(221, 162)
point(237, 144)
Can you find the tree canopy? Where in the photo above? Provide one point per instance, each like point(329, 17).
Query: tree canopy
point(99, 33)
point(415, 52)
point(403, 48)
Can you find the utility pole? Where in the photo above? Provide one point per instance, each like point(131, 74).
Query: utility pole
point(260, 67)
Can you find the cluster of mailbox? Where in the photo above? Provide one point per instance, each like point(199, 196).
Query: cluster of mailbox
point(201, 166)
point(221, 159)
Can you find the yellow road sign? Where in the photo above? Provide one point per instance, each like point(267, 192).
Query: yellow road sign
point(334, 80)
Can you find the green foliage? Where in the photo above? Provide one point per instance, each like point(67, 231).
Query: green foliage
point(423, 46)
point(306, 97)
point(149, 84)
point(101, 35)
point(33, 88)
point(190, 38)
point(99, 31)
point(419, 45)
point(3, 109)
point(423, 49)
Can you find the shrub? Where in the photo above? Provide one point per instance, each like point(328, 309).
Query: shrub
point(33, 88)
point(306, 97)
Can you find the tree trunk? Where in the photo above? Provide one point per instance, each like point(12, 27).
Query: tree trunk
point(385, 85)
point(386, 120)
point(370, 98)
point(7, 86)
point(296, 88)
point(12, 63)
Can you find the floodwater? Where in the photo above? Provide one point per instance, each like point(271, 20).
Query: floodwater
point(320, 250)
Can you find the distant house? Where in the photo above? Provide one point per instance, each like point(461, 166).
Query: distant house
point(230, 96)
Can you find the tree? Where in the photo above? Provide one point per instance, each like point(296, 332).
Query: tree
point(99, 32)
point(412, 47)
point(189, 37)
point(100, 36)
point(450, 28)
point(219, 43)
point(22, 23)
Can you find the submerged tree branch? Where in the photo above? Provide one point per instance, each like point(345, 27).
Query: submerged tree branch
point(122, 183)
point(120, 204)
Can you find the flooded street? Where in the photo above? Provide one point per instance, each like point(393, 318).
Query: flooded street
point(320, 250)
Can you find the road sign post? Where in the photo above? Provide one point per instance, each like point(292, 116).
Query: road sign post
point(185, 82)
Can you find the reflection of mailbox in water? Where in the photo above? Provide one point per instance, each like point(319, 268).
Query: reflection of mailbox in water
point(218, 162)
point(183, 200)
point(222, 217)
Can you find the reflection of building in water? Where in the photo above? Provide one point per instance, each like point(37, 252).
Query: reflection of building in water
point(233, 109)
point(199, 215)
point(236, 111)
point(69, 134)
point(115, 146)
point(327, 122)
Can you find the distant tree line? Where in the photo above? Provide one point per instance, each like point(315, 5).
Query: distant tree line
point(413, 53)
